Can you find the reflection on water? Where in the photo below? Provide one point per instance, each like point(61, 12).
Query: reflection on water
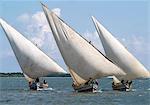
point(15, 91)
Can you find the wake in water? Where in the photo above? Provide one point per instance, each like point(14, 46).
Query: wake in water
point(133, 90)
point(45, 89)
point(98, 91)
point(148, 89)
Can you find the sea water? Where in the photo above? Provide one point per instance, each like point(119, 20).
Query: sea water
point(15, 91)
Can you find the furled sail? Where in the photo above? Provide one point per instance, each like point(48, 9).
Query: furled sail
point(80, 56)
point(33, 62)
point(119, 55)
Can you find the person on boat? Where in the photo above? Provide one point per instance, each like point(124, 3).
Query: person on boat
point(45, 84)
point(37, 80)
point(89, 81)
point(124, 85)
point(89, 42)
point(113, 84)
point(32, 85)
point(122, 81)
point(130, 83)
point(73, 84)
point(96, 82)
point(127, 84)
point(39, 85)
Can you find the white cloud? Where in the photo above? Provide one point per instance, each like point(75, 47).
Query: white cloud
point(38, 31)
point(138, 45)
point(24, 17)
point(37, 27)
point(57, 11)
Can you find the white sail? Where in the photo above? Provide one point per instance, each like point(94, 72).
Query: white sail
point(76, 78)
point(119, 55)
point(78, 54)
point(28, 78)
point(33, 62)
point(115, 80)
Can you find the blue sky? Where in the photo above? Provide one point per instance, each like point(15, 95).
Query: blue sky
point(128, 21)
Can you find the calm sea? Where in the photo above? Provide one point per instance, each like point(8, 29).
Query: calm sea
point(15, 91)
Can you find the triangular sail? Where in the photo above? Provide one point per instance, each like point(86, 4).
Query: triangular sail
point(119, 55)
point(77, 53)
point(77, 79)
point(115, 80)
point(28, 78)
point(33, 62)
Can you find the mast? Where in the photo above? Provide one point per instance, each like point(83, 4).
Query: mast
point(33, 62)
point(83, 59)
point(120, 55)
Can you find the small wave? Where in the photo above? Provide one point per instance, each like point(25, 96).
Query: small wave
point(140, 95)
point(98, 91)
point(59, 91)
point(148, 89)
point(45, 89)
point(133, 90)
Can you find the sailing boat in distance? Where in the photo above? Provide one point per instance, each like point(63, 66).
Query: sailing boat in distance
point(117, 53)
point(85, 63)
point(33, 62)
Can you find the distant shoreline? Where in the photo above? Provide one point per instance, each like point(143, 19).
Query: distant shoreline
point(19, 74)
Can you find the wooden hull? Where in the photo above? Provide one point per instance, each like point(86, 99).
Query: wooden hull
point(34, 86)
point(92, 87)
point(122, 87)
